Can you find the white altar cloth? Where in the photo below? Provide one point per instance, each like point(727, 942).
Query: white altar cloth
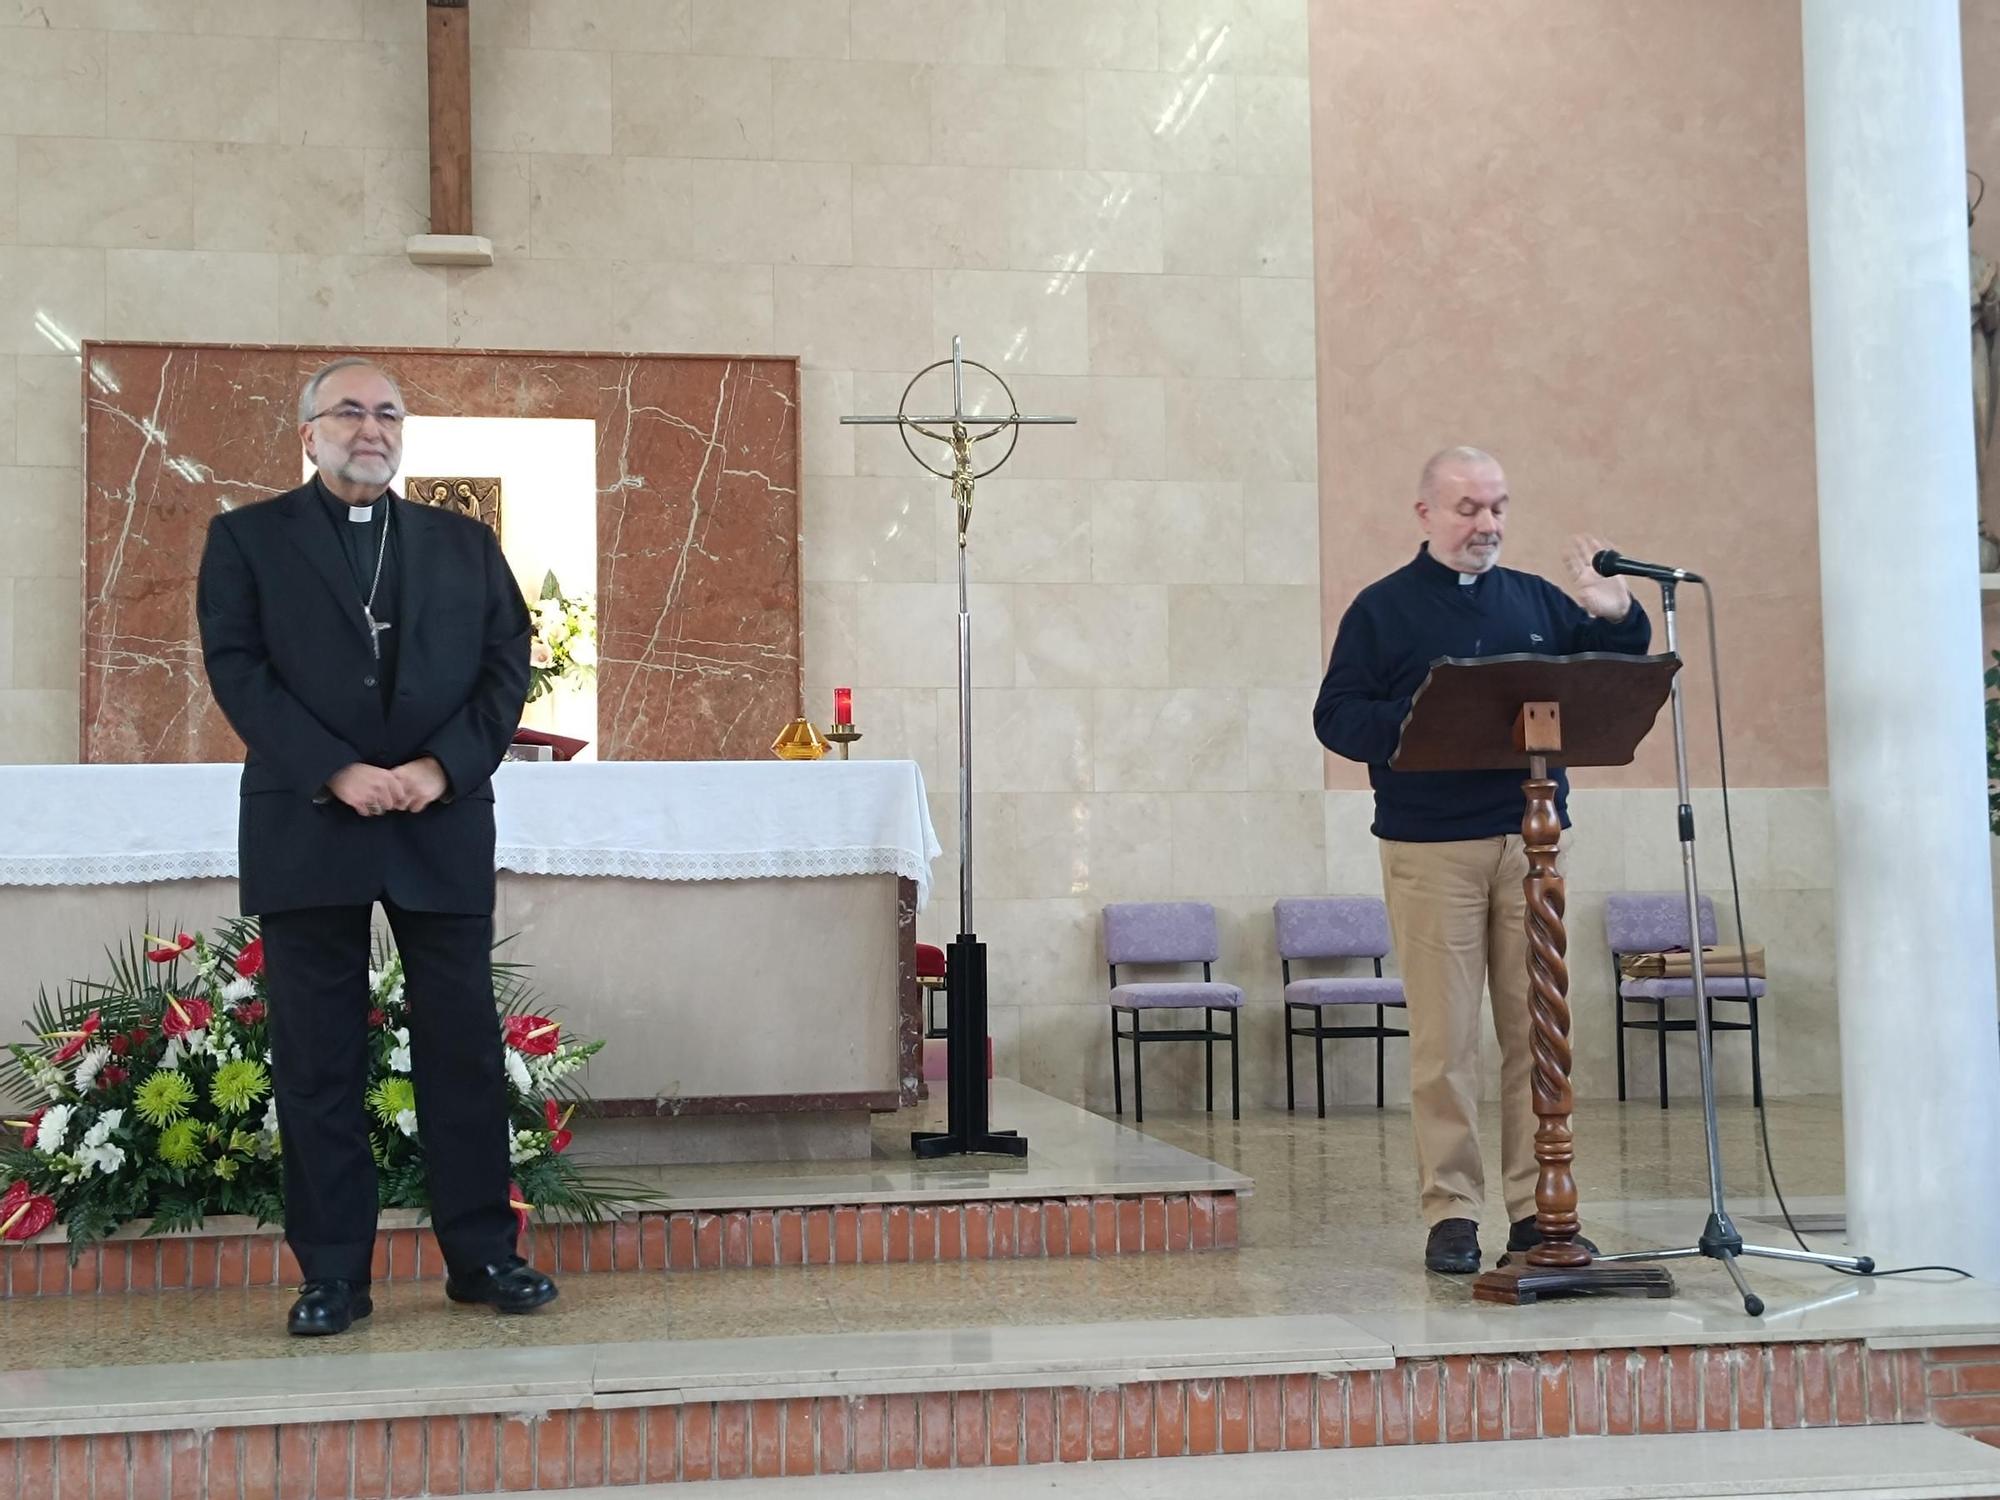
point(644, 820)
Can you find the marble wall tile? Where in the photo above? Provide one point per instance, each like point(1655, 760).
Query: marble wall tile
point(1283, 754)
point(708, 309)
point(337, 20)
point(1278, 328)
point(77, 191)
point(1280, 532)
point(825, 447)
point(307, 199)
point(1166, 325)
point(147, 94)
point(50, 404)
point(851, 111)
point(1244, 636)
point(524, 100)
point(1181, 121)
point(907, 635)
point(1145, 532)
point(1122, 34)
point(1083, 846)
point(830, 632)
point(103, 15)
point(1170, 740)
point(1032, 739)
point(50, 299)
point(1006, 117)
point(52, 82)
point(1120, 430)
point(10, 176)
point(861, 530)
point(155, 294)
point(1043, 954)
point(912, 215)
point(1068, 222)
point(1023, 531)
point(930, 31)
point(1224, 225)
point(1242, 429)
point(611, 25)
point(895, 724)
point(1353, 858)
point(367, 299)
point(1090, 635)
point(502, 196)
point(532, 304)
point(396, 198)
point(771, 28)
point(41, 511)
point(9, 409)
point(1242, 36)
point(7, 678)
point(772, 212)
point(691, 107)
point(38, 726)
point(607, 207)
point(1247, 843)
point(855, 318)
point(1029, 321)
point(376, 91)
point(1274, 133)
point(47, 619)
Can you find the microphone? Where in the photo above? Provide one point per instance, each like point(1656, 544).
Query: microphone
point(1610, 562)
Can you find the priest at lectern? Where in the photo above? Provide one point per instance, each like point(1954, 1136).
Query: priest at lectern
point(373, 657)
point(1453, 860)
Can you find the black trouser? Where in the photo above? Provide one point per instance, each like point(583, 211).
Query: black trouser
point(317, 962)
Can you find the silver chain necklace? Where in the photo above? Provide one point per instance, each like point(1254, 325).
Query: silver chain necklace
point(375, 626)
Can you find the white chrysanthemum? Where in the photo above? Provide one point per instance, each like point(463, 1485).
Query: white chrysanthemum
point(89, 1065)
point(406, 1121)
point(399, 1055)
point(100, 1130)
point(517, 1072)
point(55, 1125)
point(238, 990)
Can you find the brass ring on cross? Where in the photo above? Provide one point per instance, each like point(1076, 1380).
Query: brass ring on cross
point(1010, 426)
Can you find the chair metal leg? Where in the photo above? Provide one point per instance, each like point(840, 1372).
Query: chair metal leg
point(1235, 1091)
point(1208, 1048)
point(1756, 1058)
point(1618, 990)
point(1381, 1042)
point(1291, 1093)
point(1319, 1058)
point(1663, 1053)
point(1138, 1075)
point(1117, 1072)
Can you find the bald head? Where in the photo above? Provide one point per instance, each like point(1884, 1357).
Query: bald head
point(1462, 507)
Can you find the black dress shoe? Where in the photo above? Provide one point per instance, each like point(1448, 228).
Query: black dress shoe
point(511, 1286)
point(1453, 1247)
point(1525, 1234)
point(328, 1307)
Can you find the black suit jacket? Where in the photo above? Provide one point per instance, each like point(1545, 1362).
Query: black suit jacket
point(287, 653)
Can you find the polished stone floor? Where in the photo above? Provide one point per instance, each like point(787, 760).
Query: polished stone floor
point(1330, 1228)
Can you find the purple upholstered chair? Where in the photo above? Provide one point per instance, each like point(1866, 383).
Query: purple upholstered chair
point(1334, 927)
point(1656, 922)
point(1168, 932)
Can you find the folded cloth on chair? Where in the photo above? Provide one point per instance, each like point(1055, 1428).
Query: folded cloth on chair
point(1726, 959)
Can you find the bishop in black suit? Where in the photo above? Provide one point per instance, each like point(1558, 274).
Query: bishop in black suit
point(373, 656)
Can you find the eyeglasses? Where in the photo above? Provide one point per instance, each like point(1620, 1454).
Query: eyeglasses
point(353, 414)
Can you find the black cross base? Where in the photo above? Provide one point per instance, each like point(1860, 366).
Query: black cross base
point(967, 1101)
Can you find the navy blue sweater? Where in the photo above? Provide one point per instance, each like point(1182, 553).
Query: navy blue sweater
point(1390, 635)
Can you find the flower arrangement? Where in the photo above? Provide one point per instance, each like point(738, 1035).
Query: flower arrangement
point(150, 1096)
point(565, 640)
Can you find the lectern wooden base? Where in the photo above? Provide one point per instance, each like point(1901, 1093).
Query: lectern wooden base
point(1517, 1283)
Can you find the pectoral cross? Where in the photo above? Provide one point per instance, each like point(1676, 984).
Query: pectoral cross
point(375, 629)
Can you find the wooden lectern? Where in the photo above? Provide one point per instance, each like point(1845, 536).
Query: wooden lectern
point(1529, 713)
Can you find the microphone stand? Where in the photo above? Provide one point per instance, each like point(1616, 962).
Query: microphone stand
point(1720, 1239)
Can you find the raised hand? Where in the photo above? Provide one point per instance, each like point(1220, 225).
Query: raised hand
point(1606, 598)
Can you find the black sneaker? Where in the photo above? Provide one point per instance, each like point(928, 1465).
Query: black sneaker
point(1453, 1247)
point(1525, 1234)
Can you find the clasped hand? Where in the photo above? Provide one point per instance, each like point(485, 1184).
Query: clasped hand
point(374, 790)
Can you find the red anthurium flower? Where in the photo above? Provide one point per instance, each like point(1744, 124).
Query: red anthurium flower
point(25, 1213)
point(534, 1035)
point(515, 1201)
point(169, 949)
point(559, 1138)
point(28, 1125)
point(250, 1012)
point(111, 1075)
point(186, 1015)
point(250, 962)
point(77, 1040)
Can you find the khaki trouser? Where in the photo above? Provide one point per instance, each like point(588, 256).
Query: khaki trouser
point(1457, 914)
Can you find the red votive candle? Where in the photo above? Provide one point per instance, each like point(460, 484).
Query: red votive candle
point(843, 707)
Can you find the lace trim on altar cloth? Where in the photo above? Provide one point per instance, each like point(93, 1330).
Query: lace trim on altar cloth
point(118, 869)
point(716, 864)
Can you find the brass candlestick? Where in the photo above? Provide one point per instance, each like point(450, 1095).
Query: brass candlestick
point(843, 735)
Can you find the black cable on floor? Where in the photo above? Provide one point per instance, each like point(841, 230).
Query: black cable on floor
point(1742, 938)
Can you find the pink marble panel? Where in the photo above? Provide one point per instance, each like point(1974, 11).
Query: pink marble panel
point(697, 528)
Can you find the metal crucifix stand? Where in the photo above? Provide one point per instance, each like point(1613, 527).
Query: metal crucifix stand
point(968, 1128)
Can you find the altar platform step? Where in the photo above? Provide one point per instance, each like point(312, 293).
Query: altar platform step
point(1089, 1188)
point(1900, 1463)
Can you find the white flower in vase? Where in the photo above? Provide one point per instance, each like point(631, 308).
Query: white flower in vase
point(517, 1072)
point(399, 1055)
point(406, 1121)
point(89, 1065)
point(55, 1125)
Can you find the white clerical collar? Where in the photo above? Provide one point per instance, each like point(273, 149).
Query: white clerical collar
point(361, 513)
point(1465, 580)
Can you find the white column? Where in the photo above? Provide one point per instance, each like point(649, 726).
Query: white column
point(1920, 1063)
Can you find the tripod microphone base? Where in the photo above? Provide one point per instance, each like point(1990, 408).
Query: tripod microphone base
point(1517, 1283)
point(1720, 1241)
